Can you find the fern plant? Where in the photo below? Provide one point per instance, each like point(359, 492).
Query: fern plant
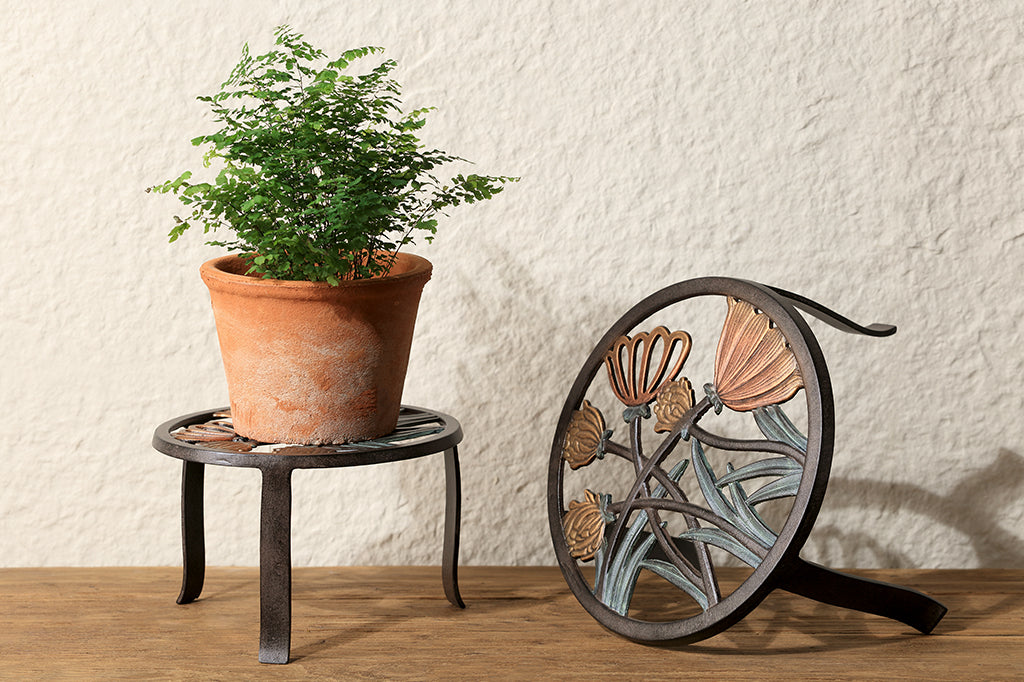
point(319, 174)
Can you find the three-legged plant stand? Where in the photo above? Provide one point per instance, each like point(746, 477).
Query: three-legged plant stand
point(207, 438)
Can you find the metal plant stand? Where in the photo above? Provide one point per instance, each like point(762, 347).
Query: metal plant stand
point(207, 438)
point(648, 518)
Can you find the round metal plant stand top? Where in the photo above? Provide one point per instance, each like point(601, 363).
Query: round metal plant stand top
point(419, 432)
point(781, 567)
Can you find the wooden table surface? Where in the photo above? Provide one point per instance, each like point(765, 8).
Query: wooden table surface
point(521, 623)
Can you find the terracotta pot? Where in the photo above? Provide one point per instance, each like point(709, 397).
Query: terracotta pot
point(307, 362)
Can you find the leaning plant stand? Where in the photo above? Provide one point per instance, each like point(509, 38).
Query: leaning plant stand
point(733, 472)
point(207, 437)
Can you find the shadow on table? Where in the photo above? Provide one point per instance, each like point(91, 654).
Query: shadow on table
point(343, 622)
point(974, 508)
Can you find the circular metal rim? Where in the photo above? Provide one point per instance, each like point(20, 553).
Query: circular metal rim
point(163, 441)
point(791, 538)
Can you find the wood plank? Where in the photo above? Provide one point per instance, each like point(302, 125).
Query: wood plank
point(393, 622)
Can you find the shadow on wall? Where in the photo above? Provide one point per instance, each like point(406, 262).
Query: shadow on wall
point(494, 379)
point(975, 507)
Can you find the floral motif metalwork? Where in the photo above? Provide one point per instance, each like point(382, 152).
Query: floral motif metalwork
point(677, 511)
point(584, 437)
point(629, 363)
point(754, 370)
point(584, 526)
point(674, 400)
point(754, 365)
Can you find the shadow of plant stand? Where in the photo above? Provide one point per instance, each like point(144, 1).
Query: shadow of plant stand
point(207, 437)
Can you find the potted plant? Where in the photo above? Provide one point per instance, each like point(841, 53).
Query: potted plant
point(320, 180)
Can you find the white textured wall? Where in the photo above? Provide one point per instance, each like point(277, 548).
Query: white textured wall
point(867, 154)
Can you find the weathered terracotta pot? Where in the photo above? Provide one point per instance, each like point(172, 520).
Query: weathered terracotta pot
point(307, 362)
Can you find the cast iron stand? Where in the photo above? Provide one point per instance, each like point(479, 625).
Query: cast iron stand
point(766, 361)
point(207, 438)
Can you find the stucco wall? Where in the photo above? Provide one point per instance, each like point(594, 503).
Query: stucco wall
point(867, 154)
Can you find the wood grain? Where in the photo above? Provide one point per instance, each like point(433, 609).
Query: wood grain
point(520, 623)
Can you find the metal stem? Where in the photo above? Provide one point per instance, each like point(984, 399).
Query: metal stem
point(724, 443)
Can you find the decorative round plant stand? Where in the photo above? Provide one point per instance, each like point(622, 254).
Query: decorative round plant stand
point(208, 438)
point(650, 518)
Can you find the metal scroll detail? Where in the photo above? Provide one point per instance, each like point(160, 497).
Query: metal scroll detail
point(655, 528)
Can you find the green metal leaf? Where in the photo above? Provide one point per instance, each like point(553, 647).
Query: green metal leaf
point(776, 426)
point(708, 484)
point(672, 574)
point(719, 538)
point(750, 521)
point(787, 486)
point(775, 466)
point(622, 553)
point(626, 584)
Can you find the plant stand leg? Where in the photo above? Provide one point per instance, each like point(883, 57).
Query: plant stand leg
point(904, 604)
point(276, 566)
point(193, 542)
point(452, 522)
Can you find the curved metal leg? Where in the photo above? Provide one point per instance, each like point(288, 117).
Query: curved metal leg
point(452, 522)
point(193, 542)
point(276, 566)
point(908, 606)
point(832, 318)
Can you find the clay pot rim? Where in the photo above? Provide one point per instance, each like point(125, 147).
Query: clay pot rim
point(214, 274)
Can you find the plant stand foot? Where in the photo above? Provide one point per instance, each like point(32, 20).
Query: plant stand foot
point(452, 522)
point(276, 566)
point(193, 542)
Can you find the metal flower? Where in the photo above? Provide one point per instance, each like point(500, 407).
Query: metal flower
point(583, 437)
point(674, 399)
point(629, 363)
point(584, 526)
point(754, 364)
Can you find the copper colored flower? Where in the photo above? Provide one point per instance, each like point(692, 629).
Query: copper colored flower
point(634, 376)
point(583, 437)
point(754, 365)
point(584, 527)
point(674, 399)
